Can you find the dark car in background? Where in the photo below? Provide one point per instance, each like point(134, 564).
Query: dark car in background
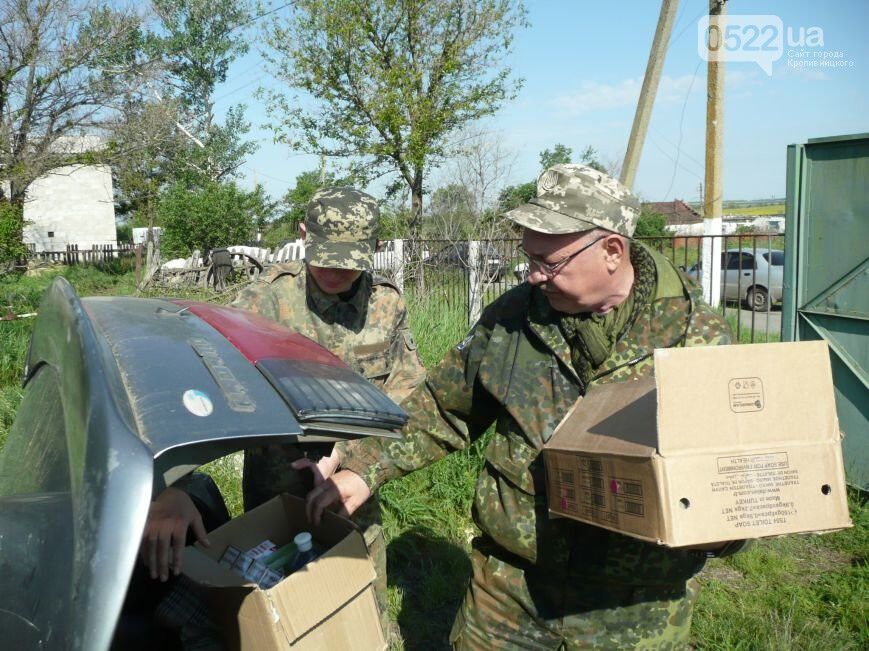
point(457, 255)
point(123, 397)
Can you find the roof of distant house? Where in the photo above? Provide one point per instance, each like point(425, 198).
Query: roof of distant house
point(675, 212)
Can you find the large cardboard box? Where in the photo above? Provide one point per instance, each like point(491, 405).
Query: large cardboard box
point(328, 604)
point(725, 443)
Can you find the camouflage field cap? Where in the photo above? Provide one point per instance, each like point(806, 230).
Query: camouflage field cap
point(573, 198)
point(341, 225)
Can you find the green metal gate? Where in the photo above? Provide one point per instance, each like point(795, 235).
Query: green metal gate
point(826, 289)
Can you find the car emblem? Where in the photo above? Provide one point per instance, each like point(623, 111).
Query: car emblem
point(197, 402)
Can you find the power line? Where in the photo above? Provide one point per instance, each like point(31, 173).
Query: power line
point(677, 163)
point(240, 88)
point(682, 152)
point(263, 15)
point(681, 124)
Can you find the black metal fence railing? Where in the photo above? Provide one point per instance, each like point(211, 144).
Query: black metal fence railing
point(466, 275)
point(749, 288)
point(747, 293)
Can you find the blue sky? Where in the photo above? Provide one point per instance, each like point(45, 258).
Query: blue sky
point(583, 64)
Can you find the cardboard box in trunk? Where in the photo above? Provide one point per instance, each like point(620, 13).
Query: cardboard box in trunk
point(725, 443)
point(328, 604)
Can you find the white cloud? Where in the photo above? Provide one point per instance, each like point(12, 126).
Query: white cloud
point(594, 96)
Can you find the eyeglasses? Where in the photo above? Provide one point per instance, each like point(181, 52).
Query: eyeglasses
point(552, 270)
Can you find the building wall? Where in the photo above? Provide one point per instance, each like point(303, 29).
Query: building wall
point(71, 205)
point(773, 224)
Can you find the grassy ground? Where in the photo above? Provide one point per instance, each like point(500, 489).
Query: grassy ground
point(797, 592)
point(771, 209)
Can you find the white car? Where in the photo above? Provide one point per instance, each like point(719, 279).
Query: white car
point(752, 276)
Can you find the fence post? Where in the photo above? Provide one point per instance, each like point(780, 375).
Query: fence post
point(398, 263)
point(475, 298)
point(711, 266)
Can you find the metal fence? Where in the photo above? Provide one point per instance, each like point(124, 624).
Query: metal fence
point(745, 278)
point(467, 275)
point(744, 281)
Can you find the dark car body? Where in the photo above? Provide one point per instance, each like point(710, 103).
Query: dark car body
point(123, 396)
point(457, 255)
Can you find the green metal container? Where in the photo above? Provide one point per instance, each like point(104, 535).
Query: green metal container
point(826, 283)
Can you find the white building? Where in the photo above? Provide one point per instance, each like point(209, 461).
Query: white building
point(73, 204)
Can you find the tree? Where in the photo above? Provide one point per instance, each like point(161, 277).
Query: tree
point(560, 155)
point(392, 79)
point(217, 214)
point(514, 196)
point(450, 213)
point(12, 249)
point(53, 86)
point(142, 152)
point(198, 40)
point(591, 157)
point(651, 224)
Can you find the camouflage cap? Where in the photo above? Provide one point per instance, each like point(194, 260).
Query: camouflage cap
point(341, 229)
point(574, 198)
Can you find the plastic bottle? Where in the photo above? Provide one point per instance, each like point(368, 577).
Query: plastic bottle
point(305, 553)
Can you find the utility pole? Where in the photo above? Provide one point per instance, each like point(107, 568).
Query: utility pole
point(712, 203)
point(648, 91)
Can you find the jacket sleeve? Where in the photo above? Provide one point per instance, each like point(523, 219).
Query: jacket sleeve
point(258, 298)
point(448, 411)
point(407, 371)
point(706, 327)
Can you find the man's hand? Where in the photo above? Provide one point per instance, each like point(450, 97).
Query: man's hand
point(169, 518)
point(345, 488)
point(322, 469)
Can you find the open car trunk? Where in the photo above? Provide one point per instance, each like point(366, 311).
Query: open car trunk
point(124, 396)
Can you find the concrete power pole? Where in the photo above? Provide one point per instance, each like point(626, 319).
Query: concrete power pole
point(648, 91)
point(713, 198)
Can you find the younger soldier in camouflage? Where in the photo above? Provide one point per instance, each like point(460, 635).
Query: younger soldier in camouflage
point(333, 298)
point(593, 310)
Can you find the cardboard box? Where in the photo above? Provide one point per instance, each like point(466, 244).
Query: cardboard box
point(725, 443)
point(328, 604)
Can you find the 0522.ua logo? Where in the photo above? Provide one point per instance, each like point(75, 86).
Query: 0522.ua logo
point(753, 38)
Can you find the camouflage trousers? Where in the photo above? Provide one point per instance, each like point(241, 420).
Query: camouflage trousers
point(267, 472)
point(500, 611)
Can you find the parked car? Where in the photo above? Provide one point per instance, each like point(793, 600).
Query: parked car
point(457, 255)
point(752, 276)
point(123, 396)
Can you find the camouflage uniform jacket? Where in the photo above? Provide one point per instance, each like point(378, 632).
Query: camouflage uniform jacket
point(514, 368)
point(368, 330)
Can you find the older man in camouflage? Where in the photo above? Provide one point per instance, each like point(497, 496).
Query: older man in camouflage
point(594, 308)
point(333, 298)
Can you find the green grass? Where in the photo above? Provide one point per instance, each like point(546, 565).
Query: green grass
point(770, 209)
point(744, 334)
point(796, 592)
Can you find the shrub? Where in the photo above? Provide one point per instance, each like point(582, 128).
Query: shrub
point(12, 247)
point(218, 214)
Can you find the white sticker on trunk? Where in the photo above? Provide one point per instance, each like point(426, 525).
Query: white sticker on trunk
point(197, 402)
